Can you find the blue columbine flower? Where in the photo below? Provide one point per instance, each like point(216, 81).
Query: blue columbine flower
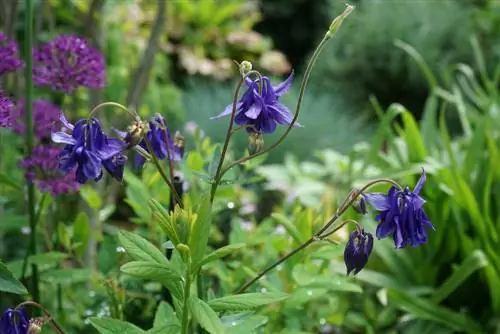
point(357, 251)
point(14, 321)
point(159, 137)
point(401, 215)
point(261, 111)
point(88, 149)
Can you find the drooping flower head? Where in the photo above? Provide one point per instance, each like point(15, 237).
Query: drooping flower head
point(42, 169)
point(14, 321)
point(45, 118)
point(6, 106)
point(88, 149)
point(401, 215)
point(159, 137)
point(259, 110)
point(357, 251)
point(9, 60)
point(67, 62)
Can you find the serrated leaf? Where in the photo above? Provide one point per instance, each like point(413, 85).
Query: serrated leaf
point(200, 231)
point(161, 215)
point(114, 326)
point(8, 283)
point(139, 248)
point(165, 329)
point(165, 315)
point(157, 273)
point(205, 316)
point(221, 252)
point(246, 301)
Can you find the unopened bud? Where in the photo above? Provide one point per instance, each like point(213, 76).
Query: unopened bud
point(245, 67)
point(359, 205)
point(36, 324)
point(135, 133)
point(255, 142)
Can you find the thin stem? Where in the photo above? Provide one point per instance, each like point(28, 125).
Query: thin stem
point(162, 172)
point(187, 291)
point(37, 218)
point(218, 174)
point(52, 321)
point(275, 264)
point(342, 224)
point(113, 104)
point(28, 114)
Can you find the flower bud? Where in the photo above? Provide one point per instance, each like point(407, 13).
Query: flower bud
point(245, 67)
point(357, 251)
point(179, 142)
point(255, 142)
point(359, 205)
point(135, 133)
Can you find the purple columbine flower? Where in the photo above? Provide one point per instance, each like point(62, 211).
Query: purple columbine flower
point(45, 118)
point(261, 111)
point(67, 62)
point(159, 137)
point(357, 251)
point(42, 169)
point(401, 215)
point(6, 106)
point(88, 149)
point(14, 321)
point(9, 60)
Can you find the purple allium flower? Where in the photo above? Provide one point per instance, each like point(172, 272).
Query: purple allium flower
point(88, 149)
point(159, 137)
point(14, 321)
point(45, 118)
point(6, 106)
point(67, 62)
point(9, 60)
point(401, 215)
point(357, 251)
point(261, 111)
point(42, 169)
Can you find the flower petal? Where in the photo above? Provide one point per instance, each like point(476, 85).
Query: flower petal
point(420, 183)
point(281, 114)
point(283, 87)
point(378, 201)
point(62, 138)
point(227, 111)
point(254, 111)
point(65, 122)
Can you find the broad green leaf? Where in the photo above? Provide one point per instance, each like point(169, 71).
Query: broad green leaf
point(156, 272)
point(289, 226)
point(243, 323)
point(8, 283)
point(424, 309)
point(221, 252)
point(300, 296)
point(91, 197)
point(165, 329)
point(81, 233)
point(114, 326)
point(200, 231)
point(139, 248)
point(414, 140)
point(246, 301)
point(205, 316)
point(43, 261)
point(472, 263)
point(165, 315)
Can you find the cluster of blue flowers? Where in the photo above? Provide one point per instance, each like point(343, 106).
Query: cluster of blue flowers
point(400, 215)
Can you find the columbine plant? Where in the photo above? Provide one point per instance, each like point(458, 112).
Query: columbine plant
point(88, 151)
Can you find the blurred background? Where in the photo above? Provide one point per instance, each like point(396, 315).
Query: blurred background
point(405, 84)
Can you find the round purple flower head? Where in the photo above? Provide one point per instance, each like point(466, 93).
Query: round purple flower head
point(14, 321)
point(6, 106)
point(45, 118)
point(88, 149)
point(159, 137)
point(357, 251)
point(42, 169)
point(401, 215)
point(67, 62)
point(261, 111)
point(9, 60)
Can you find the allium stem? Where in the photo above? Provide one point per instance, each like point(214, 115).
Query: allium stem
point(351, 197)
point(335, 24)
point(229, 133)
point(28, 114)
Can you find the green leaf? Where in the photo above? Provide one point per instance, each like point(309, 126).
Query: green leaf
point(205, 316)
point(424, 309)
point(4, 179)
point(91, 197)
point(200, 231)
point(44, 262)
point(475, 261)
point(81, 232)
point(165, 315)
point(162, 217)
point(221, 252)
point(67, 276)
point(289, 226)
point(156, 272)
point(243, 323)
point(114, 326)
point(214, 163)
point(165, 329)
point(8, 283)
point(139, 248)
point(246, 301)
